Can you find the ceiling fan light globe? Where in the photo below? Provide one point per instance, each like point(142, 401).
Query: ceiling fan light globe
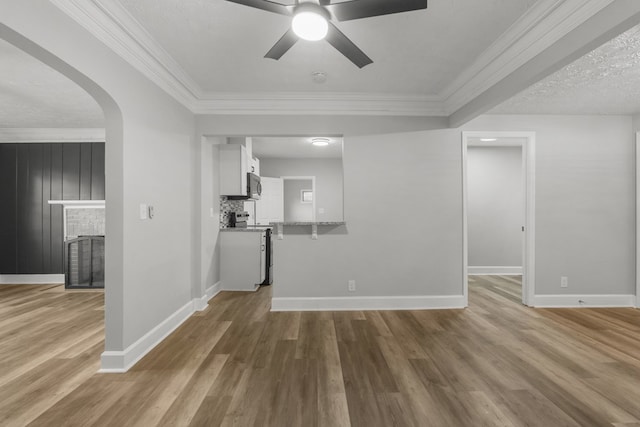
point(310, 26)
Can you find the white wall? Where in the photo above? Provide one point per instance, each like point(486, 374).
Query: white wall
point(329, 182)
point(585, 201)
point(294, 208)
point(636, 123)
point(209, 214)
point(585, 192)
point(495, 206)
point(403, 208)
point(149, 159)
point(584, 212)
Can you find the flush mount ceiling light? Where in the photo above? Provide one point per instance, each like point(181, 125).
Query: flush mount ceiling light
point(319, 77)
point(320, 141)
point(310, 22)
point(488, 139)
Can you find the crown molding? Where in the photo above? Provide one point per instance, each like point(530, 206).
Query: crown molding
point(113, 25)
point(15, 135)
point(320, 103)
point(543, 25)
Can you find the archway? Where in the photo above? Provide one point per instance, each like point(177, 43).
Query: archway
point(113, 161)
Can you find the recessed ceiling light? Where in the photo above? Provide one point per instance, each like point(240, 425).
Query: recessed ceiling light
point(320, 141)
point(488, 139)
point(310, 22)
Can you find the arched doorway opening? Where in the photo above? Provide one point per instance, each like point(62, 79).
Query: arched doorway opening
point(112, 165)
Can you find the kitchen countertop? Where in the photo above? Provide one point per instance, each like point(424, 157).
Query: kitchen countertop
point(309, 223)
point(248, 229)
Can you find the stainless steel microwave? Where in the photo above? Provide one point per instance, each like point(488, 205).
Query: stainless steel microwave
point(254, 188)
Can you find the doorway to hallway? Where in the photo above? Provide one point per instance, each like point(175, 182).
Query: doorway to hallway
point(498, 207)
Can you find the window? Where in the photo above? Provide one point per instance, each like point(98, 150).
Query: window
point(306, 196)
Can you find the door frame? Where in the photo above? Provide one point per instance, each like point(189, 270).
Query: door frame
point(527, 144)
point(313, 188)
point(637, 219)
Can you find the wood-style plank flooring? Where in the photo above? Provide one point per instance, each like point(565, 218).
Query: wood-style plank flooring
point(496, 363)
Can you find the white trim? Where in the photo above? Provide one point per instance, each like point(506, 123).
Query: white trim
point(494, 271)
point(296, 103)
point(637, 165)
point(201, 304)
point(465, 224)
point(122, 361)
point(570, 301)
point(417, 302)
point(31, 279)
point(528, 163)
point(113, 25)
point(253, 289)
point(17, 135)
point(538, 29)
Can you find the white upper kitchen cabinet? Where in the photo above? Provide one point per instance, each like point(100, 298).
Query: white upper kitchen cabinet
point(233, 170)
point(254, 165)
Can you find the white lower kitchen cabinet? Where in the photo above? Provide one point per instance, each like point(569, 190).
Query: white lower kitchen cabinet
point(242, 259)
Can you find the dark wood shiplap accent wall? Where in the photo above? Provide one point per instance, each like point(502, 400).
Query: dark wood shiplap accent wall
point(31, 230)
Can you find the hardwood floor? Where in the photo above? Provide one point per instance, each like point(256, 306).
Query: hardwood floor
point(496, 363)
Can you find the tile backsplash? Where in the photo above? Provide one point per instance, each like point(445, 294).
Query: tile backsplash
point(226, 207)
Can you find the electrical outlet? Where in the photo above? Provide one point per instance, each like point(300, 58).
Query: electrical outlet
point(564, 282)
point(352, 285)
point(211, 213)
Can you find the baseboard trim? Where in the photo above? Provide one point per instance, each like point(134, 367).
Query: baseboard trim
point(122, 361)
point(494, 271)
point(201, 304)
point(417, 302)
point(587, 301)
point(31, 279)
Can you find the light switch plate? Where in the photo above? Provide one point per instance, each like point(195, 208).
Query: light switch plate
point(144, 211)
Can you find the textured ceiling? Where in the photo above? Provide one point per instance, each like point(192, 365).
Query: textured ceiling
point(221, 45)
point(605, 81)
point(32, 95)
point(294, 147)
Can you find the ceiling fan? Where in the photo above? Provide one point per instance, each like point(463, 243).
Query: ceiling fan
point(311, 20)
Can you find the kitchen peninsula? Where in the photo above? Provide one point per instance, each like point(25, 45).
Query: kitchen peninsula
point(314, 226)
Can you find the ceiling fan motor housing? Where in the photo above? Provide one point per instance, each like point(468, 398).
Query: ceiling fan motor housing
point(322, 13)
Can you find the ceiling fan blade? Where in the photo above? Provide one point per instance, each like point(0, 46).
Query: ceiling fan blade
point(283, 45)
point(337, 39)
point(267, 5)
point(356, 9)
